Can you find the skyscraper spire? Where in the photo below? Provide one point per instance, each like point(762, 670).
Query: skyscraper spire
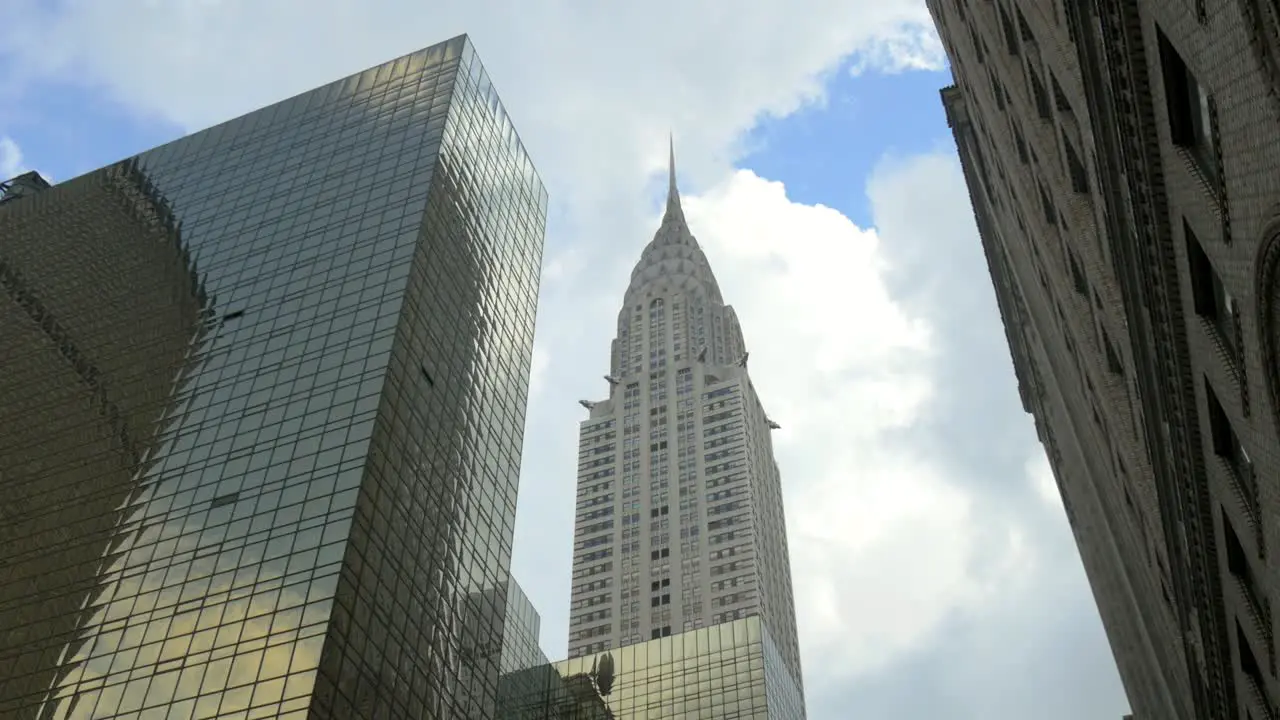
point(678, 341)
point(673, 195)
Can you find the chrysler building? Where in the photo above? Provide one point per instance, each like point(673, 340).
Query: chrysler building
point(679, 506)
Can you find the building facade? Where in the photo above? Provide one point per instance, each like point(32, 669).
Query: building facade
point(1121, 160)
point(680, 521)
point(530, 687)
point(261, 410)
point(521, 633)
point(730, 671)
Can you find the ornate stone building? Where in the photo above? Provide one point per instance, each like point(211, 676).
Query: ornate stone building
point(680, 523)
point(1122, 160)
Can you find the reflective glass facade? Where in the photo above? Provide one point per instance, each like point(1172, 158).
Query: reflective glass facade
point(521, 631)
point(261, 409)
point(542, 693)
point(530, 687)
point(728, 671)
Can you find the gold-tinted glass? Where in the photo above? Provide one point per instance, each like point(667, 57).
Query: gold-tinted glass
point(732, 671)
point(261, 410)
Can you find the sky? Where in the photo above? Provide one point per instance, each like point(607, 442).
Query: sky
point(935, 573)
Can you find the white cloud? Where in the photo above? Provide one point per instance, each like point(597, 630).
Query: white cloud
point(1041, 475)
point(594, 92)
point(10, 158)
point(882, 538)
point(912, 48)
point(538, 369)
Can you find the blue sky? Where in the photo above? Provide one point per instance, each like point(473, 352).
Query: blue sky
point(67, 129)
point(825, 153)
point(935, 573)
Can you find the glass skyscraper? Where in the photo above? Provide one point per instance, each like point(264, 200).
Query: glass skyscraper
point(262, 396)
point(680, 533)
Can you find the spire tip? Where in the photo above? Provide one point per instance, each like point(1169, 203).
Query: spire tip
point(673, 195)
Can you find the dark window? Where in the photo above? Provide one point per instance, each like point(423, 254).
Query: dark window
point(1248, 662)
point(1226, 444)
point(224, 500)
point(1010, 34)
point(1237, 558)
point(1209, 295)
point(1041, 96)
point(977, 45)
point(1075, 167)
point(1114, 364)
point(1077, 274)
point(1050, 212)
point(1023, 27)
point(1071, 23)
point(1189, 106)
point(1059, 97)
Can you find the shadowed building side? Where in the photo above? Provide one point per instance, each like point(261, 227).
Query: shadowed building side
point(101, 312)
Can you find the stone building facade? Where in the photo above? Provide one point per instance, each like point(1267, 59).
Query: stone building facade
point(680, 523)
point(1122, 161)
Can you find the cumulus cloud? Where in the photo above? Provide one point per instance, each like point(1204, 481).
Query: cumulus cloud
point(845, 368)
point(912, 47)
point(538, 369)
point(10, 158)
point(1041, 474)
point(594, 91)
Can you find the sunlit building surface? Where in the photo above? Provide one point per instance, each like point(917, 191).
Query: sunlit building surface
point(680, 524)
point(83, 391)
point(262, 395)
point(1122, 161)
point(730, 671)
